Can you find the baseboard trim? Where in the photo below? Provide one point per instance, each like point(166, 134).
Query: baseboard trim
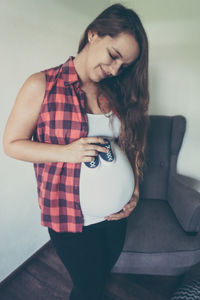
point(14, 273)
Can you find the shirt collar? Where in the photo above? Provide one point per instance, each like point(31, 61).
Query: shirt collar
point(69, 73)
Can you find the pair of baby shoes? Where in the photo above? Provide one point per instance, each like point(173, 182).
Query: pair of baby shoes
point(109, 157)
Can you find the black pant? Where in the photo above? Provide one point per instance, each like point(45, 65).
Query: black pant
point(90, 255)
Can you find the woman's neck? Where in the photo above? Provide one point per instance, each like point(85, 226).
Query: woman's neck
point(80, 65)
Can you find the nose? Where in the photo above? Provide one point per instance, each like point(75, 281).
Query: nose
point(114, 68)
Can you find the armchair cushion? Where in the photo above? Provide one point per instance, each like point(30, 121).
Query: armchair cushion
point(154, 228)
point(155, 242)
point(185, 203)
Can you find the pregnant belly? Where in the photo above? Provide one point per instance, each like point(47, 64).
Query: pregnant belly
point(106, 189)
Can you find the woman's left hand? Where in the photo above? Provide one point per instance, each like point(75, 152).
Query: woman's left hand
point(127, 209)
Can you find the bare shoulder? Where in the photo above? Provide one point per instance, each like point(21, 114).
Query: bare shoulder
point(37, 78)
point(33, 90)
point(25, 112)
point(35, 83)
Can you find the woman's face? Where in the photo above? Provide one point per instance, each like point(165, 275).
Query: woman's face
point(107, 56)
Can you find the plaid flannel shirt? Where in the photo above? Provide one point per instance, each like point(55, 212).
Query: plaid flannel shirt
point(62, 120)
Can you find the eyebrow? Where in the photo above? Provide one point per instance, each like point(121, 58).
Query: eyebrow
point(118, 52)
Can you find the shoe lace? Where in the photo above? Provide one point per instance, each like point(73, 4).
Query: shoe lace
point(109, 154)
point(93, 164)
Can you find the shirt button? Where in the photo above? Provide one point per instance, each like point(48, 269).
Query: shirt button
point(77, 205)
point(76, 189)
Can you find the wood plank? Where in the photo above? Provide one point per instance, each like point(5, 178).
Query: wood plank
point(45, 277)
point(50, 257)
point(162, 286)
point(122, 286)
point(25, 286)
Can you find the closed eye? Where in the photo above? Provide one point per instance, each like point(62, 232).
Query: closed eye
point(112, 56)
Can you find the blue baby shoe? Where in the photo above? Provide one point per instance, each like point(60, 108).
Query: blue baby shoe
point(92, 164)
point(109, 157)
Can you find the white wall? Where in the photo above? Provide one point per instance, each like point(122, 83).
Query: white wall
point(38, 34)
point(34, 35)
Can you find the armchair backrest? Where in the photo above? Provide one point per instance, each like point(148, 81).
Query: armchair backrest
point(164, 140)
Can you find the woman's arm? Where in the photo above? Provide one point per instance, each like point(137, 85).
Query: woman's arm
point(22, 122)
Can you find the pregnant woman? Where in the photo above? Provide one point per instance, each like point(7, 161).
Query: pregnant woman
point(83, 125)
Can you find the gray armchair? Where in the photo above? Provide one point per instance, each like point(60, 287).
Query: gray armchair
point(162, 232)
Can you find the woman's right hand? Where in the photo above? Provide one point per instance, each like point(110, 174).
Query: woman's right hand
point(83, 149)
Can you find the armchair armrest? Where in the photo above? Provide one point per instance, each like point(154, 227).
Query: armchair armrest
point(185, 203)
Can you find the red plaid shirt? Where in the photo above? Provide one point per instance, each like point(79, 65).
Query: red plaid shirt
point(62, 120)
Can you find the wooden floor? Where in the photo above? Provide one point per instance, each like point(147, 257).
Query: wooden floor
point(45, 278)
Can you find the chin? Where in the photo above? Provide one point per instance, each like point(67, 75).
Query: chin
point(96, 79)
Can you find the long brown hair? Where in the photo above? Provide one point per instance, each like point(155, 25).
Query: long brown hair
point(127, 93)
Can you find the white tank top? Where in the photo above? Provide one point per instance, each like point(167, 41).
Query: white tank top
point(104, 190)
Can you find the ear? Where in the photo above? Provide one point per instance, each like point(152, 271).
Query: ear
point(91, 36)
